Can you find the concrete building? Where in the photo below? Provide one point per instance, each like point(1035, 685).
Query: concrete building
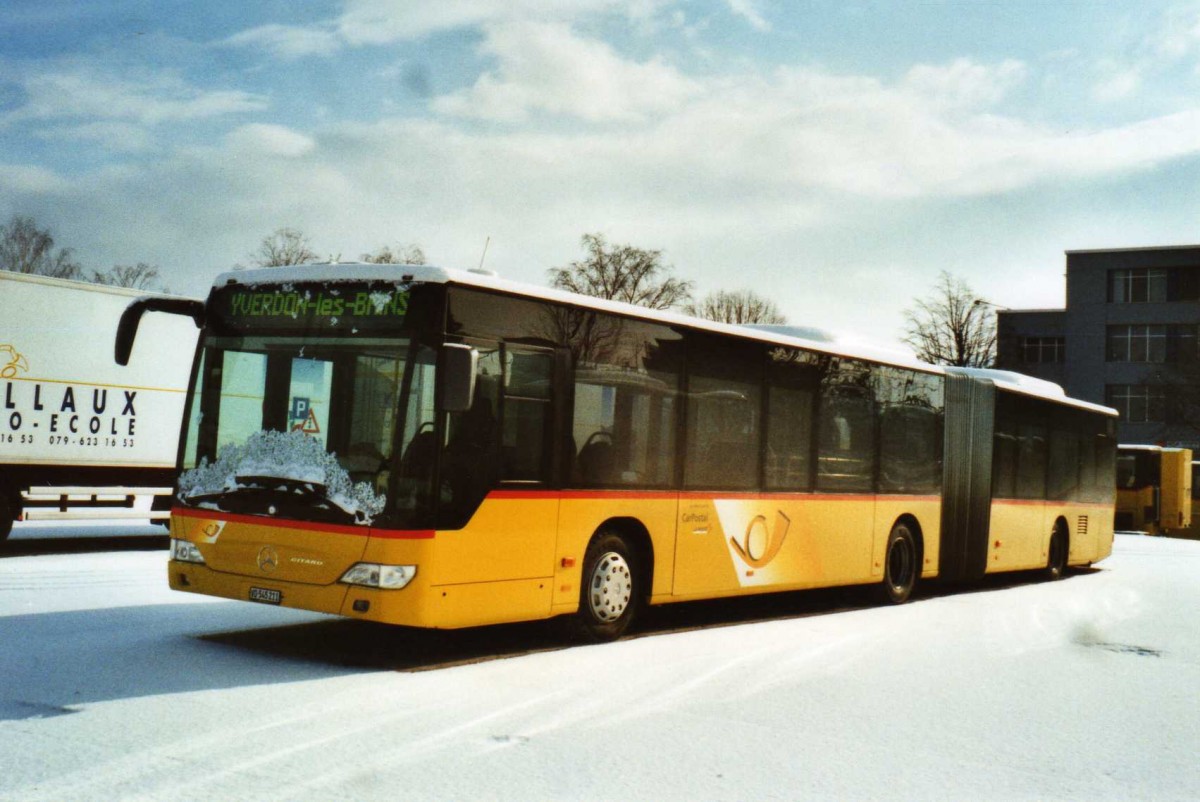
point(1127, 338)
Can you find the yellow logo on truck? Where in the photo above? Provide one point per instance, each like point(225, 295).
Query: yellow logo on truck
point(11, 362)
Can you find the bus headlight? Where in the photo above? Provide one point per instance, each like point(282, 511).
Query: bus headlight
point(185, 551)
point(374, 575)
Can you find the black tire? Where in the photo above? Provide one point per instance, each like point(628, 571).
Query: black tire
point(8, 514)
point(610, 589)
point(901, 565)
point(1056, 562)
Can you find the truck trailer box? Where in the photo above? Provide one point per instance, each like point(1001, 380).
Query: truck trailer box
point(81, 436)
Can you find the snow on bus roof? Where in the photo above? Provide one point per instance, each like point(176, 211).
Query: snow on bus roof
point(1150, 447)
point(1029, 385)
point(809, 338)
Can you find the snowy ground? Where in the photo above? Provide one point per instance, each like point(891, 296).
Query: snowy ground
point(111, 687)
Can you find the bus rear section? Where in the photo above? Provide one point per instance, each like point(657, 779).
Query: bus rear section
point(1030, 477)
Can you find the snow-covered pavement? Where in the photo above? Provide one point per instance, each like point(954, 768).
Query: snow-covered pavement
point(112, 687)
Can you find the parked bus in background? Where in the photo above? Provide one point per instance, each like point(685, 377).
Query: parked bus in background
point(447, 449)
point(1154, 489)
point(1193, 531)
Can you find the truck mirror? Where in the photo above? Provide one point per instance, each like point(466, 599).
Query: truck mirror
point(132, 316)
point(457, 376)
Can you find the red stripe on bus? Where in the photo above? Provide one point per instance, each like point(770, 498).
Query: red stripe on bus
point(695, 495)
point(304, 526)
point(403, 534)
point(633, 495)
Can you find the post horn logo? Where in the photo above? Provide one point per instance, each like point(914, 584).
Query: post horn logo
point(11, 362)
point(268, 559)
point(212, 530)
point(758, 546)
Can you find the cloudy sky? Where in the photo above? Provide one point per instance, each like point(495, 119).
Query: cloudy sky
point(832, 154)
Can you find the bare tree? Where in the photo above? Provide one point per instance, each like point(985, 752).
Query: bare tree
point(25, 248)
point(622, 273)
point(953, 326)
point(740, 306)
point(141, 276)
point(285, 246)
point(400, 255)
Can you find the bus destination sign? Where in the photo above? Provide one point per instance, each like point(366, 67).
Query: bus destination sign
point(345, 307)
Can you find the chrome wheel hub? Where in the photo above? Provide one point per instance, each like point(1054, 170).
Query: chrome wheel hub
point(610, 588)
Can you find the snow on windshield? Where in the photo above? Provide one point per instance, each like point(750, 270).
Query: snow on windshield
point(283, 455)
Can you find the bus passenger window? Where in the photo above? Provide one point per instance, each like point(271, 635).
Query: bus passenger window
point(619, 429)
point(724, 432)
point(525, 433)
point(793, 377)
point(846, 435)
point(623, 422)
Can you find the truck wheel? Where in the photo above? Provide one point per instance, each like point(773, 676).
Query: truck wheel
point(610, 589)
point(8, 514)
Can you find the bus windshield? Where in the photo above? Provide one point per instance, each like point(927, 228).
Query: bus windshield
point(309, 428)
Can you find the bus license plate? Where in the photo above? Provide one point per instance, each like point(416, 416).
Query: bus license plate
point(265, 595)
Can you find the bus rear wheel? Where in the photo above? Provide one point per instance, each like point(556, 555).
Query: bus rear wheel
point(1056, 563)
point(901, 565)
point(610, 589)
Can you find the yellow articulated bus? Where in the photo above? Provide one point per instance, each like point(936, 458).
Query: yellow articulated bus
point(446, 449)
point(1154, 490)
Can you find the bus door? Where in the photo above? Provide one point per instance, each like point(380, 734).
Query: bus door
point(498, 461)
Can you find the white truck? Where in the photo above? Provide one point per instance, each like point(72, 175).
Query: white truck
point(80, 436)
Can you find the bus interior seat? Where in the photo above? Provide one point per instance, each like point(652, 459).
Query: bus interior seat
point(418, 457)
point(597, 460)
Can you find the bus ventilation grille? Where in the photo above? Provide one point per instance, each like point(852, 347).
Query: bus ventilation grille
point(1082, 526)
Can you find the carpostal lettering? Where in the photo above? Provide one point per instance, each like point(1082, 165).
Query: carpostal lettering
point(75, 415)
point(323, 304)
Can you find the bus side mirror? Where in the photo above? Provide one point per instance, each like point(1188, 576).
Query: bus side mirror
point(132, 316)
point(457, 374)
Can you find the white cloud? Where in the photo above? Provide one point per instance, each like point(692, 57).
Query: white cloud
point(1149, 62)
point(1179, 36)
point(382, 21)
point(88, 91)
point(269, 140)
point(289, 41)
point(748, 9)
point(546, 67)
point(733, 175)
point(114, 136)
point(965, 83)
point(1118, 82)
point(22, 179)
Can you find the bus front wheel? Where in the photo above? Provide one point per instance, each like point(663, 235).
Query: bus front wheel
point(610, 589)
point(901, 565)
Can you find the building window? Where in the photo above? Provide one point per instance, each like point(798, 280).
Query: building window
point(1137, 285)
point(1137, 403)
point(1141, 342)
point(1043, 349)
point(1137, 343)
